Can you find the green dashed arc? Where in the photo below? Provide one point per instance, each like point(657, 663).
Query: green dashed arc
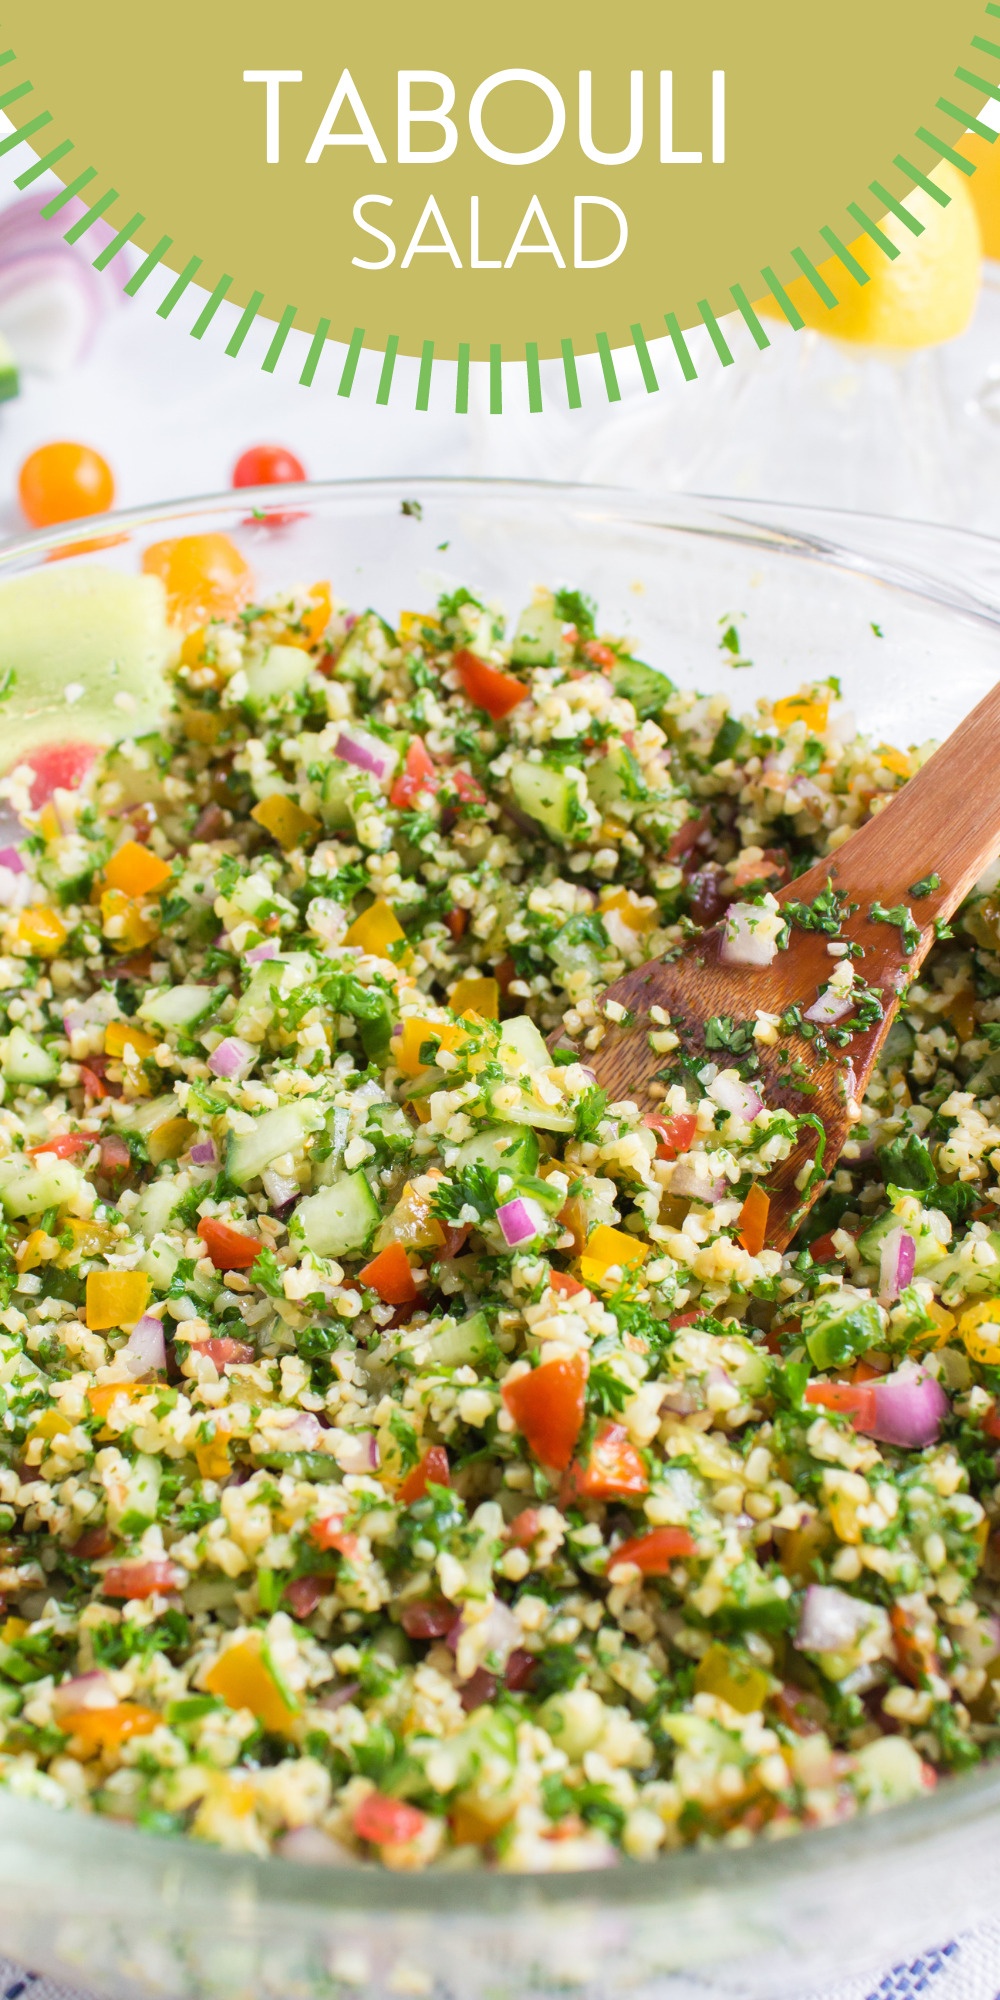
point(826, 133)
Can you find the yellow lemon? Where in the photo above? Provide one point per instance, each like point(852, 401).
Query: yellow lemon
point(984, 188)
point(924, 296)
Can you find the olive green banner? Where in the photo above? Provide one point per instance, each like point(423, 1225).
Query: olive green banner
point(546, 177)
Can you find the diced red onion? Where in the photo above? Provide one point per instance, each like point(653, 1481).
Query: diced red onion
point(742, 941)
point(356, 1451)
point(280, 1189)
point(831, 1620)
point(336, 1697)
point(259, 952)
point(84, 1691)
point(520, 1220)
point(738, 1098)
point(366, 753)
point(10, 858)
point(830, 1006)
point(145, 1351)
point(691, 1177)
point(204, 1154)
point(94, 1012)
point(302, 1434)
point(910, 1407)
point(233, 1059)
point(899, 1253)
point(496, 1636)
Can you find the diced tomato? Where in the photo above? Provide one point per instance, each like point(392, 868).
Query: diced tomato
point(547, 1405)
point(520, 1670)
point(524, 1527)
point(851, 1399)
point(92, 1544)
point(419, 774)
point(433, 1470)
point(654, 1553)
point(991, 1422)
point(469, 789)
point(142, 1579)
point(387, 1822)
point(94, 1077)
point(822, 1250)
point(455, 1241)
point(674, 1135)
point(866, 1371)
point(687, 837)
point(563, 1281)
point(798, 1710)
point(487, 687)
point(613, 1467)
point(478, 1691)
point(331, 1534)
point(225, 1352)
point(389, 1275)
point(58, 766)
point(686, 1318)
point(116, 1160)
point(599, 656)
point(228, 1248)
point(753, 1220)
point(428, 1618)
point(456, 921)
point(139, 966)
point(65, 1145)
point(303, 1594)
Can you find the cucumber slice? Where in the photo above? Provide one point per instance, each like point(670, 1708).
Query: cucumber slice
point(276, 677)
point(283, 1131)
point(521, 1045)
point(538, 636)
point(29, 1190)
point(181, 1006)
point(554, 798)
point(458, 1346)
point(506, 1149)
point(137, 1504)
point(365, 649)
point(159, 1260)
point(88, 627)
point(338, 1219)
point(25, 1060)
point(645, 687)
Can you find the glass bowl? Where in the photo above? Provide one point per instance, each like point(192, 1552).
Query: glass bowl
point(904, 614)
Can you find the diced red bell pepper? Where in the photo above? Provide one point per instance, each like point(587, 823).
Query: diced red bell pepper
point(520, 1670)
point(563, 1281)
point(613, 1467)
point(92, 1544)
point(686, 1318)
point(303, 1594)
point(331, 1534)
point(433, 1470)
point(387, 1822)
point(142, 1579)
point(851, 1399)
point(654, 1554)
point(65, 1145)
point(673, 1135)
point(229, 1249)
point(226, 1352)
point(547, 1405)
point(753, 1220)
point(428, 1618)
point(389, 1275)
point(419, 774)
point(456, 921)
point(487, 687)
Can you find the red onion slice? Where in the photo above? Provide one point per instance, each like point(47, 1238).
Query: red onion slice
point(84, 1691)
point(830, 1006)
point(733, 1095)
point(258, 953)
point(204, 1154)
point(356, 1451)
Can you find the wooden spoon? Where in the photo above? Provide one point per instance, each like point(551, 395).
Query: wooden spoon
point(944, 823)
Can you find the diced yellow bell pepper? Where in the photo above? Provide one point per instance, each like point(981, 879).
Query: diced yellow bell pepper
point(942, 1330)
point(316, 619)
point(980, 1330)
point(477, 996)
point(636, 918)
point(226, 1799)
point(808, 708)
point(50, 1424)
point(893, 760)
point(38, 1248)
point(213, 1457)
point(48, 824)
point(97, 1729)
point(90, 1239)
point(961, 1012)
point(103, 1394)
point(122, 921)
point(121, 1037)
point(416, 1031)
point(203, 725)
point(242, 1677)
point(375, 930)
point(411, 1223)
point(42, 930)
point(116, 1298)
point(284, 820)
point(732, 1680)
point(135, 871)
point(413, 623)
point(193, 649)
point(13, 1628)
point(169, 1140)
point(606, 1248)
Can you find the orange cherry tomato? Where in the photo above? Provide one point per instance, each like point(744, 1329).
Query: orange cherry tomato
point(204, 576)
point(547, 1406)
point(488, 688)
point(613, 1466)
point(268, 465)
point(228, 1248)
point(62, 482)
point(433, 1470)
point(389, 1275)
point(654, 1553)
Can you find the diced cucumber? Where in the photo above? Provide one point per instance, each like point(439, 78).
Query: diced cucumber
point(274, 977)
point(615, 783)
point(276, 677)
point(645, 687)
point(375, 1030)
point(137, 1504)
point(538, 636)
point(159, 1260)
point(928, 1248)
point(365, 649)
point(342, 787)
point(459, 1346)
point(255, 896)
point(29, 1189)
point(180, 1006)
point(541, 1116)
point(282, 1131)
point(155, 1206)
point(505, 1149)
point(521, 1045)
point(554, 798)
point(898, 1046)
point(338, 1219)
point(392, 1125)
point(839, 1328)
point(143, 1114)
point(25, 1060)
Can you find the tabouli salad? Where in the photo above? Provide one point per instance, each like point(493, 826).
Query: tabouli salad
point(406, 1454)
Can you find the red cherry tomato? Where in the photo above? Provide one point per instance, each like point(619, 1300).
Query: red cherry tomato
point(268, 465)
point(433, 1470)
point(61, 482)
